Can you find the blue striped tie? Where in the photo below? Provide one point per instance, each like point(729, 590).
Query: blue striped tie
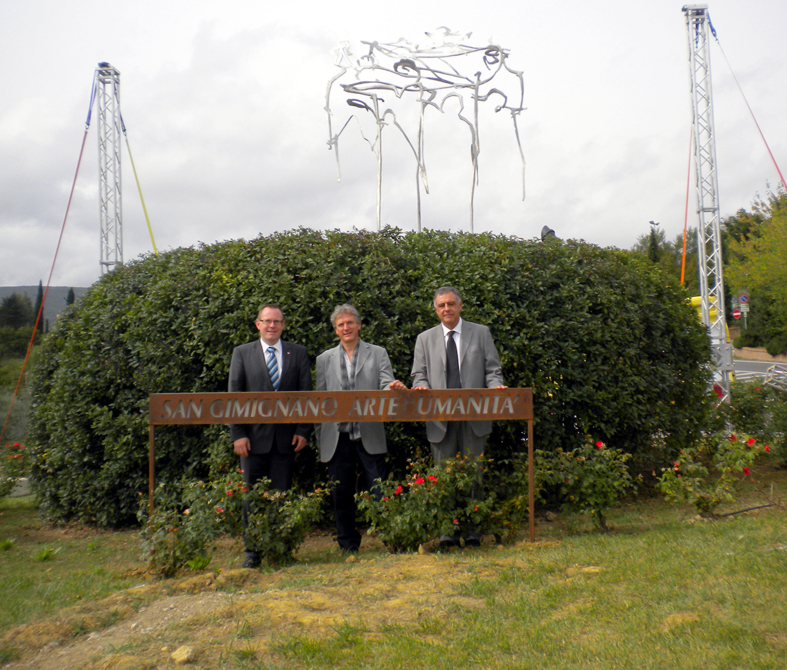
point(273, 368)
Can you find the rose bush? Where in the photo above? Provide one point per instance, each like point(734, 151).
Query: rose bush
point(461, 495)
point(590, 479)
point(189, 516)
point(708, 474)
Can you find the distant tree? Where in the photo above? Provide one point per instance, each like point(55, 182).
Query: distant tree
point(654, 253)
point(37, 308)
point(70, 297)
point(656, 238)
point(16, 311)
point(756, 263)
point(670, 255)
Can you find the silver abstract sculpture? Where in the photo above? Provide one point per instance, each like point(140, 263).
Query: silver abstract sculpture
point(432, 74)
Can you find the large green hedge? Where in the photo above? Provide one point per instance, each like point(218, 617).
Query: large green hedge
point(604, 338)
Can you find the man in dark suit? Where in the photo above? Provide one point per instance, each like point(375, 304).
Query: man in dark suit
point(268, 364)
point(456, 354)
point(353, 365)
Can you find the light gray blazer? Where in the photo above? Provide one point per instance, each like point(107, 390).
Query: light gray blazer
point(373, 372)
point(479, 367)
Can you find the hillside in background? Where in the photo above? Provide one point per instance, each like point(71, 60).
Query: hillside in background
point(55, 298)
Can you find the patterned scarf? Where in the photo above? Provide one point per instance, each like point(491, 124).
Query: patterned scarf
point(348, 384)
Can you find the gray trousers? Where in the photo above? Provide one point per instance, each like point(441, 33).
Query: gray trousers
point(459, 440)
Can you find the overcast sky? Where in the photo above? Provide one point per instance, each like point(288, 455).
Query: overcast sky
point(224, 105)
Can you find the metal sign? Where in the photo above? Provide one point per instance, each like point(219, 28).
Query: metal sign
point(341, 406)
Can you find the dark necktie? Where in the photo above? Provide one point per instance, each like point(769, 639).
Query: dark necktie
point(453, 380)
point(273, 368)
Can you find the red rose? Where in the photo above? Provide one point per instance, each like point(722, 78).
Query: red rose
point(767, 448)
point(599, 445)
point(745, 472)
point(733, 438)
point(419, 480)
point(398, 490)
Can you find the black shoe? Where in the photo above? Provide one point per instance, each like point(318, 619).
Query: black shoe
point(472, 538)
point(251, 562)
point(349, 550)
point(448, 541)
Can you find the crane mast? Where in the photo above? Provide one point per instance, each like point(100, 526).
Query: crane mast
point(109, 182)
point(707, 188)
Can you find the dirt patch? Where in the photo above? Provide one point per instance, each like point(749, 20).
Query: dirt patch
point(252, 612)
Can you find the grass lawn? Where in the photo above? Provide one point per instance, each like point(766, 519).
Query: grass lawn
point(662, 590)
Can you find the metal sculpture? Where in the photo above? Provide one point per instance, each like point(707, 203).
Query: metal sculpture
point(432, 74)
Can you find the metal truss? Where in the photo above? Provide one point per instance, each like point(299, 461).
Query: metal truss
point(707, 188)
point(109, 178)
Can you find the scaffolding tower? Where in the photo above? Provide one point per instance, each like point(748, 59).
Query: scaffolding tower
point(109, 182)
point(707, 187)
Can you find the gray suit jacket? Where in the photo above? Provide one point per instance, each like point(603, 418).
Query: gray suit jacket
point(373, 372)
point(479, 366)
point(249, 373)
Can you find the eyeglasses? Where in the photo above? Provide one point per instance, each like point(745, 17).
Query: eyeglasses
point(270, 322)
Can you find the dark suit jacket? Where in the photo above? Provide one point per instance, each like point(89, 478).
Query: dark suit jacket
point(373, 372)
point(249, 372)
point(479, 364)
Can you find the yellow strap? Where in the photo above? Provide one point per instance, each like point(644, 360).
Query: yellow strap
point(139, 188)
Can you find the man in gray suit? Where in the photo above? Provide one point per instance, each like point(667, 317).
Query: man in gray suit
point(456, 354)
point(353, 365)
point(268, 364)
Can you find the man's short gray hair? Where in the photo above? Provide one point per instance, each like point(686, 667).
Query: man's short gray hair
point(346, 308)
point(446, 289)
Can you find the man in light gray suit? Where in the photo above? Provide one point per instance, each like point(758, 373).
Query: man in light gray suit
point(456, 354)
point(353, 365)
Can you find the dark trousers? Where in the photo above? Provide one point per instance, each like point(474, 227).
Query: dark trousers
point(274, 465)
point(343, 468)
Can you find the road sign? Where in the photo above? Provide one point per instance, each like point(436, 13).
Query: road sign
point(743, 298)
point(737, 314)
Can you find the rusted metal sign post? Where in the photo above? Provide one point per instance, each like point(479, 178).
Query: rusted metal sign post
point(345, 406)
